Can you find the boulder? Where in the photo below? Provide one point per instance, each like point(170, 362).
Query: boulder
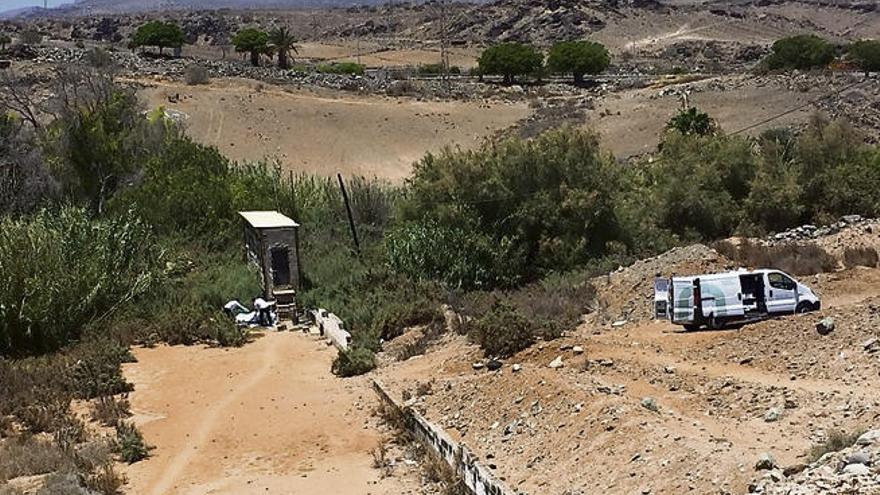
point(765, 462)
point(870, 437)
point(825, 326)
point(556, 363)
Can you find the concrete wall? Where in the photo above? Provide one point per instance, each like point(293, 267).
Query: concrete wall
point(478, 478)
point(332, 327)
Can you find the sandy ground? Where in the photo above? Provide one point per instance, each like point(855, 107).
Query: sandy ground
point(329, 132)
point(267, 418)
point(631, 122)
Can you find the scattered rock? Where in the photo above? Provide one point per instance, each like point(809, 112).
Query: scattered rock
point(650, 404)
point(556, 363)
point(825, 326)
point(871, 437)
point(577, 349)
point(493, 365)
point(773, 414)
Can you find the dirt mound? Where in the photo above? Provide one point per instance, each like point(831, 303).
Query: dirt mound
point(627, 294)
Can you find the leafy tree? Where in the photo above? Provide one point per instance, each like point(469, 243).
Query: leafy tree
point(5, 40)
point(802, 52)
point(698, 184)
point(159, 34)
point(253, 41)
point(578, 58)
point(510, 60)
point(282, 42)
point(775, 201)
point(544, 204)
point(692, 121)
point(866, 54)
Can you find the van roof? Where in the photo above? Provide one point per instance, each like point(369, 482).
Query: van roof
point(734, 273)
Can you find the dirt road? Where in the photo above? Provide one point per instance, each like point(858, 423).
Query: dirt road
point(265, 418)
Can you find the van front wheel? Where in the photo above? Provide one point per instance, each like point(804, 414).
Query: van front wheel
point(803, 307)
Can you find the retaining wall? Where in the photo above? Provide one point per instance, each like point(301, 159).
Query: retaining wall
point(478, 478)
point(331, 326)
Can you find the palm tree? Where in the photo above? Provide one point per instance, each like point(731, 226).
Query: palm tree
point(282, 42)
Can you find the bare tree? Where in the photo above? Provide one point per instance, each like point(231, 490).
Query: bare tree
point(18, 97)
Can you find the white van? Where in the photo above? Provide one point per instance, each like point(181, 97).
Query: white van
point(719, 299)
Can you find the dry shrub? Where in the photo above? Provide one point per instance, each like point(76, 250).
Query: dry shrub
point(63, 483)
point(380, 456)
point(794, 259)
point(862, 256)
point(196, 74)
point(27, 455)
point(105, 480)
point(110, 410)
point(437, 470)
point(836, 441)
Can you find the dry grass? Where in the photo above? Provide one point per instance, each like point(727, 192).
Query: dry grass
point(28, 455)
point(863, 256)
point(794, 259)
point(836, 441)
point(106, 481)
point(110, 410)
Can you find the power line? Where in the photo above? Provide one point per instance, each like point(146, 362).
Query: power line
point(738, 131)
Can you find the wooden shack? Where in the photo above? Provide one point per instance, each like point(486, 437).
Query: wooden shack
point(271, 244)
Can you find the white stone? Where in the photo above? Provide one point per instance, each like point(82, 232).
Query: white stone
point(556, 363)
point(870, 437)
point(857, 470)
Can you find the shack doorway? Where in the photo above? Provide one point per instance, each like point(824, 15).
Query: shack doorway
point(280, 259)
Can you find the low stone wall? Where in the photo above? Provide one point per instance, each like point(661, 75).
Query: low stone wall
point(476, 477)
point(331, 327)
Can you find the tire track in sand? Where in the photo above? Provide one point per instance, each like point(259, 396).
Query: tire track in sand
point(177, 465)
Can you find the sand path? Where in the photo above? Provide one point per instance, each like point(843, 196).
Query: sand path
point(265, 418)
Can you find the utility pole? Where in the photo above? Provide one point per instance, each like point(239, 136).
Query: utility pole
point(354, 234)
point(444, 48)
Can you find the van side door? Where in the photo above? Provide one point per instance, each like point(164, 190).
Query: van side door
point(781, 293)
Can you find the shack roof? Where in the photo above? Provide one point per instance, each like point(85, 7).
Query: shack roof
point(267, 219)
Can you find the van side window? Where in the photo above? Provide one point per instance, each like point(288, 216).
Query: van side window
point(780, 281)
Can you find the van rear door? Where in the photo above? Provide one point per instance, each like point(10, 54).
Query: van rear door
point(661, 298)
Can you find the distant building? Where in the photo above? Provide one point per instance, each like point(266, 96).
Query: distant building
point(271, 242)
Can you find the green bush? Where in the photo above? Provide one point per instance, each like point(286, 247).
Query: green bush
point(354, 361)
point(130, 443)
point(63, 270)
point(436, 69)
point(578, 58)
point(349, 68)
point(510, 60)
point(547, 204)
point(802, 52)
point(866, 54)
point(457, 256)
point(502, 331)
point(692, 121)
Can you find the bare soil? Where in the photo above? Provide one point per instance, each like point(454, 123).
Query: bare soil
point(330, 132)
point(583, 428)
point(264, 418)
